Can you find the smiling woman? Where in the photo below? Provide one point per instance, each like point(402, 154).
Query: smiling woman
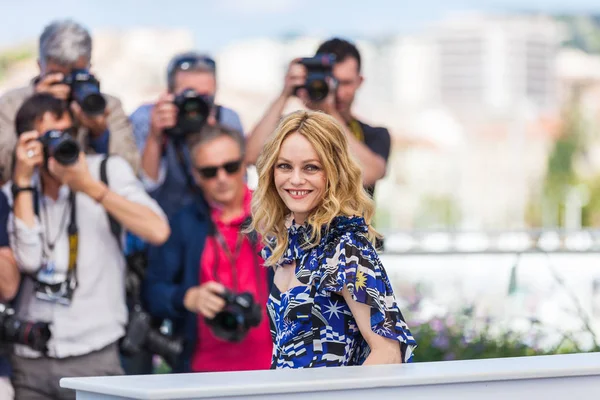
point(299, 176)
point(331, 303)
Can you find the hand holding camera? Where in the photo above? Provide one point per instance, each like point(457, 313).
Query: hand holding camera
point(75, 175)
point(82, 90)
point(234, 321)
point(193, 111)
point(163, 116)
point(205, 299)
point(97, 124)
point(295, 78)
point(29, 155)
point(230, 315)
point(319, 82)
point(53, 83)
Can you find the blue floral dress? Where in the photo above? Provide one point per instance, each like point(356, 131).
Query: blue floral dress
point(312, 325)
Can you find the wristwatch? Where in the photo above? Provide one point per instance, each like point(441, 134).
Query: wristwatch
point(18, 189)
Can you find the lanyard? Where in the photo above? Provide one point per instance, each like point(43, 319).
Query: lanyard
point(63, 291)
point(233, 259)
point(356, 130)
point(73, 232)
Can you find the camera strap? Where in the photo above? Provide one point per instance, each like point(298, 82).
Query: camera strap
point(232, 258)
point(220, 241)
point(356, 130)
point(115, 227)
point(178, 145)
point(73, 232)
point(185, 166)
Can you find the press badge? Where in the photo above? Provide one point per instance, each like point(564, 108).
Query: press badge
point(53, 286)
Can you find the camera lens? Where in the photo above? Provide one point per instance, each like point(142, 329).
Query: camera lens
point(93, 104)
point(317, 90)
point(195, 109)
point(89, 98)
point(12, 330)
point(228, 321)
point(66, 152)
point(240, 314)
point(61, 146)
point(192, 115)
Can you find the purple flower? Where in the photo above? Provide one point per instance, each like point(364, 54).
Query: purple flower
point(441, 342)
point(414, 306)
point(450, 321)
point(450, 356)
point(437, 325)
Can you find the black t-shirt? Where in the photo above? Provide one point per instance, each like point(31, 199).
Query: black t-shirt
point(4, 212)
point(378, 140)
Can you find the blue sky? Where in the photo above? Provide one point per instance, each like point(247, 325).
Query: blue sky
point(216, 23)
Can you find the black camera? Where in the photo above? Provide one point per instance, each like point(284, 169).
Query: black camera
point(32, 334)
point(85, 90)
point(318, 70)
point(141, 333)
point(193, 111)
point(60, 145)
point(239, 315)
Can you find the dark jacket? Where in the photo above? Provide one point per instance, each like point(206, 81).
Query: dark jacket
point(173, 268)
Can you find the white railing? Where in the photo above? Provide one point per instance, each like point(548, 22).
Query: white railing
point(441, 242)
point(573, 376)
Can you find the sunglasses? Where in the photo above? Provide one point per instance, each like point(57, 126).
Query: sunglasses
point(191, 63)
point(210, 172)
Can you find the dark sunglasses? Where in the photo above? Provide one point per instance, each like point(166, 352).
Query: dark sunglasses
point(191, 63)
point(230, 167)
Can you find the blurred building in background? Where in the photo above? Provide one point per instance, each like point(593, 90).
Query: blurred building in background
point(473, 102)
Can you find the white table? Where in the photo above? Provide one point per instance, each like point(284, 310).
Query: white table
point(572, 376)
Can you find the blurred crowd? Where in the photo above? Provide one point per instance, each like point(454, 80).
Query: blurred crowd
point(122, 238)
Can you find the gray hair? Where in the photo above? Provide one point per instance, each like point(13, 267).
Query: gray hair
point(209, 133)
point(65, 42)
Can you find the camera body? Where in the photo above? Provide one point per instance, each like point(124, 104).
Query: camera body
point(318, 70)
point(60, 145)
point(85, 90)
point(32, 334)
point(240, 314)
point(193, 111)
point(141, 334)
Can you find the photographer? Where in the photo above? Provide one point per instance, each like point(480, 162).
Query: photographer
point(370, 145)
point(194, 277)
point(65, 51)
point(160, 129)
point(63, 243)
point(9, 283)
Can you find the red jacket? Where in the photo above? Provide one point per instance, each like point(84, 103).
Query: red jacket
point(212, 354)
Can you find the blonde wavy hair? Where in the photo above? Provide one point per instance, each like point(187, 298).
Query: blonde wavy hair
point(344, 193)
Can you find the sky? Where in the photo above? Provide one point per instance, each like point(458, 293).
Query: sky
point(216, 23)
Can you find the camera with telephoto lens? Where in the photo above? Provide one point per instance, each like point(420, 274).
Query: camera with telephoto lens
point(141, 333)
point(14, 331)
point(60, 145)
point(240, 314)
point(85, 91)
point(193, 110)
point(318, 70)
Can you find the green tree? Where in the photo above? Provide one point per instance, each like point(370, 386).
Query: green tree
point(12, 56)
point(560, 170)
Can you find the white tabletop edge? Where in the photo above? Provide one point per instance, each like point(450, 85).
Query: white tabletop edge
point(439, 373)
